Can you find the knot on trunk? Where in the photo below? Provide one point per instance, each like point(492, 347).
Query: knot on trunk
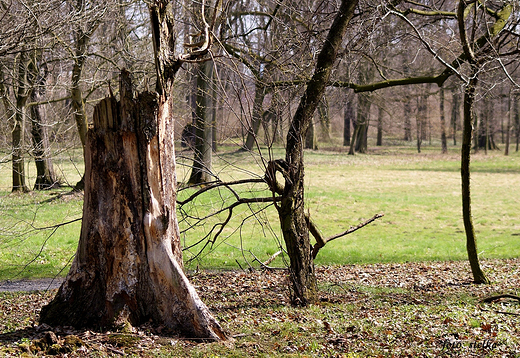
point(274, 166)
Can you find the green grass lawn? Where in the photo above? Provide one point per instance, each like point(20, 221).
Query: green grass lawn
point(418, 193)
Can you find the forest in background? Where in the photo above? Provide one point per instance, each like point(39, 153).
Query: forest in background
point(58, 58)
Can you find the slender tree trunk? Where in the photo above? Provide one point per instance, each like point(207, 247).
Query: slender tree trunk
point(362, 122)
point(516, 119)
point(252, 131)
point(291, 209)
point(380, 113)
point(311, 141)
point(45, 176)
point(471, 242)
point(407, 113)
point(18, 169)
point(201, 170)
point(508, 125)
point(78, 104)
point(444, 143)
point(323, 113)
point(419, 123)
point(348, 119)
point(454, 115)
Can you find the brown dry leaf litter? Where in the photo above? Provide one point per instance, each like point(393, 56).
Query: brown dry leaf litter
point(384, 310)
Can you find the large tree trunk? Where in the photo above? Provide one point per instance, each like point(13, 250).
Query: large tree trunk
point(471, 243)
point(291, 209)
point(202, 151)
point(128, 266)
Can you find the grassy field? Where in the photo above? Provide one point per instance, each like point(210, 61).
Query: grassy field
point(418, 193)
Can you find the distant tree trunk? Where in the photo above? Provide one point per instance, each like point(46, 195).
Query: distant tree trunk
point(291, 209)
point(202, 152)
point(471, 242)
point(214, 110)
point(454, 114)
point(362, 122)
point(380, 112)
point(516, 118)
point(348, 119)
point(420, 121)
point(407, 113)
point(444, 144)
point(311, 141)
point(508, 125)
point(323, 113)
point(78, 104)
point(485, 138)
point(256, 120)
point(423, 108)
point(45, 176)
point(18, 171)
point(407, 110)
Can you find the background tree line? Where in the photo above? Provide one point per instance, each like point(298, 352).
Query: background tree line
point(60, 57)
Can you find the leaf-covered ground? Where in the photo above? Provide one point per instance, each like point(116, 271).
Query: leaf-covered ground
point(386, 310)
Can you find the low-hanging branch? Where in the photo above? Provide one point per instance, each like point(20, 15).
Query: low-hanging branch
point(321, 241)
point(216, 184)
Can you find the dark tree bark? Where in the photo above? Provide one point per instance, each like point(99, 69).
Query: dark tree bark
point(469, 100)
point(323, 114)
point(362, 122)
point(508, 125)
point(202, 151)
point(444, 143)
point(17, 136)
point(380, 112)
point(407, 113)
point(471, 243)
point(455, 114)
point(82, 36)
point(422, 109)
point(311, 141)
point(291, 209)
point(348, 119)
point(516, 119)
point(45, 176)
point(485, 138)
point(252, 131)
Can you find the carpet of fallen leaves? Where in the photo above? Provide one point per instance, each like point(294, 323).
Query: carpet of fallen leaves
point(384, 310)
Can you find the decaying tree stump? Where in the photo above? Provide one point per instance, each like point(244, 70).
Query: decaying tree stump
point(128, 266)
